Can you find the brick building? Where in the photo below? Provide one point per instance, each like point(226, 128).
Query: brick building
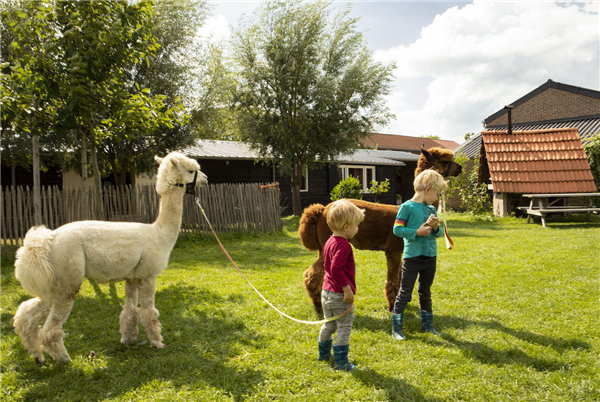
point(551, 105)
point(550, 101)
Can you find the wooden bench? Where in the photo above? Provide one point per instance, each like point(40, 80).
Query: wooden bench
point(543, 207)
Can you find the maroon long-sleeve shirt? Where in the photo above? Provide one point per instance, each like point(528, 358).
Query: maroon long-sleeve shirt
point(340, 269)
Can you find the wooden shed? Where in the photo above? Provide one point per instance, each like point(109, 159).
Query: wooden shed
point(533, 162)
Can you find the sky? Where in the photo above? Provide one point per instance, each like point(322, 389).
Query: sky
point(459, 62)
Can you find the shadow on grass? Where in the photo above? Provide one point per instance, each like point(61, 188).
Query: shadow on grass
point(202, 343)
point(265, 254)
point(477, 350)
point(397, 390)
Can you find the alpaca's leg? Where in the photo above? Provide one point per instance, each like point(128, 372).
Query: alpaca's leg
point(313, 282)
point(27, 322)
point(129, 315)
point(149, 314)
point(51, 335)
point(394, 274)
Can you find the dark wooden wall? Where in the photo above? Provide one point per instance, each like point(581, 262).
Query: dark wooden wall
point(24, 177)
point(320, 181)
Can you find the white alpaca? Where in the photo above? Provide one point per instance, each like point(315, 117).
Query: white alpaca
point(51, 265)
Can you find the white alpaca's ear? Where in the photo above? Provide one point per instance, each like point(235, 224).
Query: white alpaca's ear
point(176, 163)
point(158, 159)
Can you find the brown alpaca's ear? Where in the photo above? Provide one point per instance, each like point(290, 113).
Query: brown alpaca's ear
point(429, 157)
point(158, 159)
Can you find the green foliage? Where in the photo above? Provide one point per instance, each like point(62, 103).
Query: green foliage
point(350, 187)
point(592, 150)
point(518, 323)
point(99, 68)
point(378, 188)
point(474, 197)
point(309, 88)
point(180, 73)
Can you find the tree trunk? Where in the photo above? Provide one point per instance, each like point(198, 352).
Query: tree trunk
point(296, 177)
point(37, 196)
point(97, 178)
point(84, 176)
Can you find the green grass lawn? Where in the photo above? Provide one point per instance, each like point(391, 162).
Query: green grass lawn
point(517, 306)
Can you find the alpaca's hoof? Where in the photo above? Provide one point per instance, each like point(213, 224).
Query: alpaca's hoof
point(157, 345)
point(62, 359)
point(129, 341)
point(39, 360)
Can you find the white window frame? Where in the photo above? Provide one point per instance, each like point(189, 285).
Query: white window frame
point(305, 184)
point(365, 185)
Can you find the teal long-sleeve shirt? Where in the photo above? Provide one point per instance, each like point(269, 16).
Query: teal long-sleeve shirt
point(411, 215)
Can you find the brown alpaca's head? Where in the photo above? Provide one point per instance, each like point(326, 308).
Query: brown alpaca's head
point(439, 159)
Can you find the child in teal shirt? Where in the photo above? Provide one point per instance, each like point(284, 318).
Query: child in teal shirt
point(418, 224)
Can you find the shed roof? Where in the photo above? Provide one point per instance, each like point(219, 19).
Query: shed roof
point(538, 162)
point(587, 127)
point(217, 149)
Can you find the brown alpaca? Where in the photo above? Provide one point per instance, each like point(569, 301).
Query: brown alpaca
point(374, 232)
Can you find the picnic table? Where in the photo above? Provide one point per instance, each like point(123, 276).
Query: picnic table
point(541, 206)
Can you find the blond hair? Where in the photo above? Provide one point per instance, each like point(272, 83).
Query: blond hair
point(343, 212)
point(430, 178)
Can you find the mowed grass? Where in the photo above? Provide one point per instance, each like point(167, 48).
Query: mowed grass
point(517, 305)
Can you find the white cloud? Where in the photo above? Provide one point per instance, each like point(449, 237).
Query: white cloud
point(215, 29)
point(487, 54)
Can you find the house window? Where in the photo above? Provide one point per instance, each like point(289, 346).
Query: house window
point(304, 180)
point(365, 174)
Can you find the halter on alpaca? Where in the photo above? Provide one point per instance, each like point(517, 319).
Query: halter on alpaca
point(52, 264)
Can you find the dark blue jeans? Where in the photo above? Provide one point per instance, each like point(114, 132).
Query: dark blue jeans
point(424, 268)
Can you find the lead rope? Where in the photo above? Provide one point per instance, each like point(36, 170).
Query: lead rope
point(256, 290)
point(449, 242)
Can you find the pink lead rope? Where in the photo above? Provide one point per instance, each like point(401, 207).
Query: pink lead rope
point(256, 290)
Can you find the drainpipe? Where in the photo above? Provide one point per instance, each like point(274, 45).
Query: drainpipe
point(509, 108)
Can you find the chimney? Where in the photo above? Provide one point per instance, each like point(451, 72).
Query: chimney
point(509, 108)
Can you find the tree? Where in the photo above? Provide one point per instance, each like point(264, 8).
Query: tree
point(29, 104)
point(181, 70)
point(308, 88)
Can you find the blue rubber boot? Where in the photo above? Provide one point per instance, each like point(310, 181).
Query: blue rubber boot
point(325, 350)
point(427, 320)
point(397, 333)
point(340, 354)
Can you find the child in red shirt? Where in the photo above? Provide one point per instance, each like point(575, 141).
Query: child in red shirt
point(339, 282)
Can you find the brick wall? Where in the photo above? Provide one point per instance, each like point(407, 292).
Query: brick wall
point(549, 105)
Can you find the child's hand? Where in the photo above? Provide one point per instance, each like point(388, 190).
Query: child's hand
point(424, 230)
point(348, 295)
point(433, 221)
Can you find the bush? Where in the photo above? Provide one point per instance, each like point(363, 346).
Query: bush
point(474, 197)
point(347, 188)
point(379, 187)
point(592, 150)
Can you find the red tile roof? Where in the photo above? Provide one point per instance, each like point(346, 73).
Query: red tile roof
point(406, 143)
point(538, 162)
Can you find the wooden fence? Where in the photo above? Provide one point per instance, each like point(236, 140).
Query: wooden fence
point(230, 208)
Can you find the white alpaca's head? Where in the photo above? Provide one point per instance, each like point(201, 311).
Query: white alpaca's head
point(175, 169)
